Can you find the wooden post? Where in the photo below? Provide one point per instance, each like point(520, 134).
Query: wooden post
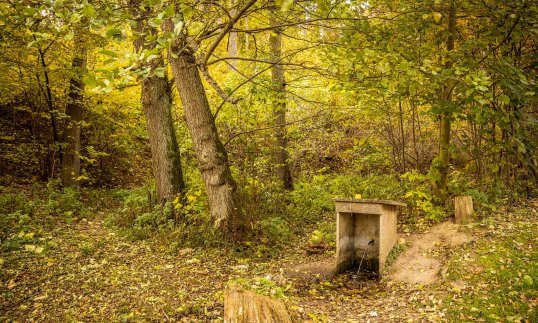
point(242, 306)
point(463, 209)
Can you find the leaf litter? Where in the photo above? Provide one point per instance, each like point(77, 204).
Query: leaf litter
point(83, 271)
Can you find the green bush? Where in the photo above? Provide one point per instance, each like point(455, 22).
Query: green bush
point(310, 201)
point(134, 203)
point(324, 236)
point(16, 202)
point(65, 202)
point(275, 230)
point(421, 198)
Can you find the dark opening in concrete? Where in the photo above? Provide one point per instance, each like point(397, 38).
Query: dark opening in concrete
point(365, 233)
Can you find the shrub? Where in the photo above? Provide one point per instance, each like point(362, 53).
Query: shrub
point(274, 230)
point(324, 236)
point(420, 198)
point(64, 201)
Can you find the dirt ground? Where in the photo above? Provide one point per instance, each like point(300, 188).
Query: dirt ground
point(420, 263)
point(87, 272)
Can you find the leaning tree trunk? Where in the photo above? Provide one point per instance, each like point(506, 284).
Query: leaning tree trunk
point(70, 159)
point(443, 160)
point(211, 154)
point(157, 105)
point(279, 107)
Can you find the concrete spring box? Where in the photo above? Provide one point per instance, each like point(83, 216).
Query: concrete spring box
point(365, 233)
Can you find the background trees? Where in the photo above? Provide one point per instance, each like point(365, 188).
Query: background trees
point(315, 90)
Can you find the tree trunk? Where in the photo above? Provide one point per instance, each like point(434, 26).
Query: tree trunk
point(211, 154)
point(70, 159)
point(402, 134)
point(232, 40)
point(165, 155)
point(463, 209)
point(157, 105)
point(443, 160)
point(279, 107)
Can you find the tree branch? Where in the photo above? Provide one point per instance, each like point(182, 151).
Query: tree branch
point(225, 30)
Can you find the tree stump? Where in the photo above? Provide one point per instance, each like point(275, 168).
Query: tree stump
point(463, 209)
point(242, 306)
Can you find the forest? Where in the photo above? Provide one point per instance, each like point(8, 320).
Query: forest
point(179, 160)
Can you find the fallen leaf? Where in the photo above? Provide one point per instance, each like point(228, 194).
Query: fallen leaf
point(185, 251)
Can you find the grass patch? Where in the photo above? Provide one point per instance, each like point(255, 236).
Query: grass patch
point(499, 272)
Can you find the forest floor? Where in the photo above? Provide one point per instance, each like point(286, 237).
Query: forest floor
point(84, 271)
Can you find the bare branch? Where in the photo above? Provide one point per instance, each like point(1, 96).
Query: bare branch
point(225, 30)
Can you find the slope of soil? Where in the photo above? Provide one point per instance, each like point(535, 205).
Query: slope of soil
point(423, 261)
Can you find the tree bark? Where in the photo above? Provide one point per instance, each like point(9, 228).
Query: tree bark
point(463, 209)
point(232, 41)
point(443, 160)
point(241, 306)
point(157, 106)
point(279, 107)
point(70, 159)
point(210, 152)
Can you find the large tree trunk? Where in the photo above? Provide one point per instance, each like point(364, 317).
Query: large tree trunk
point(70, 159)
point(165, 155)
point(157, 105)
point(279, 107)
point(443, 160)
point(211, 154)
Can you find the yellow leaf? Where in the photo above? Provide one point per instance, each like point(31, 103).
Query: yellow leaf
point(358, 196)
point(29, 247)
point(39, 249)
point(437, 16)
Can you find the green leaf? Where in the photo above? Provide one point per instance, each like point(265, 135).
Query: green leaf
point(113, 32)
point(159, 72)
point(504, 99)
point(108, 53)
point(169, 11)
point(89, 80)
point(151, 57)
point(88, 10)
point(177, 28)
point(286, 4)
point(528, 280)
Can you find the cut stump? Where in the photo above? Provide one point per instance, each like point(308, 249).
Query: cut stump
point(241, 306)
point(463, 209)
